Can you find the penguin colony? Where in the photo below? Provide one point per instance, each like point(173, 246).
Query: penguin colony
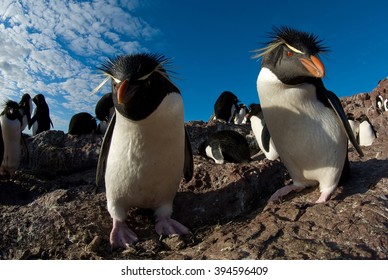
point(298, 122)
point(14, 119)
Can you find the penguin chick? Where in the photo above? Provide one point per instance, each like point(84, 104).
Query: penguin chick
point(146, 149)
point(307, 123)
point(25, 105)
point(366, 132)
point(262, 135)
point(10, 138)
point(82, 123)
point(226, 145)
point(225, 106)
point(41, 120)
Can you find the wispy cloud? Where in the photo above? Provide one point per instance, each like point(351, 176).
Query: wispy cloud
point(54, 47)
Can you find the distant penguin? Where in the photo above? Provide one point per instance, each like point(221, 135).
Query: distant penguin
point(146, 149)
point(262, 135)
point(386, 105)
point(104, 111)
point(226, 145)
point(366, 132)
point(10, 138)
point(306, 121)
point(41, 120)
point(225, 106)
point(254, 109)
point(379, 104)
point(25, 105)
point(82, 123)
point(352, 123)
point(240, 113)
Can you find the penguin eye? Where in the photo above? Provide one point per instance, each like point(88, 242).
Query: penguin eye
point(290, 53)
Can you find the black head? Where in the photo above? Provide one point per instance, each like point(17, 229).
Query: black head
point(350, 116)
point(363, 118)
point(82, 123)
point(254, 109)
point(39, 100)
point(12, 110)
point(223, 105)
point(292, 55)
point(228, 97)
point(139, 83)
point(103, 107)
point(25, 101)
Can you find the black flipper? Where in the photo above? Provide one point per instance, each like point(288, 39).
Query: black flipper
point(1, 145)
point(265, 138)
point(345, 175)
point(29, 120)
point(188, 167)
point(25, 147)
point(216, 151)
point(336, 105)
point(104, 151)
point(33, 120)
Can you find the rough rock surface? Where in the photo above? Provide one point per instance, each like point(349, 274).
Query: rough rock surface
point(52, 209)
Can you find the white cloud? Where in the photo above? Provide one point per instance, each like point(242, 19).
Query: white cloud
point(54, 47)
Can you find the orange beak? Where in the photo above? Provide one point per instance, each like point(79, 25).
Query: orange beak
point(314, 66)
point(125, 92)
point(121, 92)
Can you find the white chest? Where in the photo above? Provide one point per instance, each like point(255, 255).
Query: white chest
point(366, 134)
point(307, 135)
point(11, 133)
point(145, 161)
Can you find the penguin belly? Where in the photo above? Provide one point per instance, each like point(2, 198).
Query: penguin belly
point(12, 151)
point(366, 134)
point(307, 135)
point(24, 123)
point(145, 161)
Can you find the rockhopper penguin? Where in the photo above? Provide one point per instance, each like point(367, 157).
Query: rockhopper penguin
point(226, 145)
point(41, 120)
point(82, 123)
point(10, 138)
point(26, 107)
point(146, 149)
point(366, 132)
point(225, 106)
point(306, 121)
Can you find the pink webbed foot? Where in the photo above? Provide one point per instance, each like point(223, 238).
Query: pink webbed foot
point(325, 196)
point(284, 191)
point(168, 226)
point(121, 236)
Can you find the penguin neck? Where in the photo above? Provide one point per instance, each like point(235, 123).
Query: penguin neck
point(169, 111)
point(274, 92)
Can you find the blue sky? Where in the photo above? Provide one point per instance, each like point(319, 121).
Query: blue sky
point(54, 47)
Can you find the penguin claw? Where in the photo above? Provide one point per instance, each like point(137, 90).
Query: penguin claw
point(168, 226)
point(121, 236)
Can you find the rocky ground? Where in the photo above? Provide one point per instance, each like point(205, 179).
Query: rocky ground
point(51, 209)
